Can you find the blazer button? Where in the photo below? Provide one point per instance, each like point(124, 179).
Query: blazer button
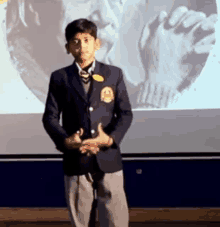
point(91, 108)
point(92, 131)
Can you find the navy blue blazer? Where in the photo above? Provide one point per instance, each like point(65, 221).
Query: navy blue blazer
point(66, 95)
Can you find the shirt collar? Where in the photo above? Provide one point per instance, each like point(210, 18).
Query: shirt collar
point(90, 70)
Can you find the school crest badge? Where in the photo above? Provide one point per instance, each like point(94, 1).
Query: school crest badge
point(107, 94)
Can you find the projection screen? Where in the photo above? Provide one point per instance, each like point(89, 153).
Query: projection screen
point(167, 49)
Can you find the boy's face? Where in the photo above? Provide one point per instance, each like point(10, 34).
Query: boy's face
point(83, 46)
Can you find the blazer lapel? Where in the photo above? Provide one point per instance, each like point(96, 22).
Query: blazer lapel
point(96, 86)
point(76, 83)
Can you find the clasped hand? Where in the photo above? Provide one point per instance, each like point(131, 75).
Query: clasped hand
point(91, 146)
point(168, 41)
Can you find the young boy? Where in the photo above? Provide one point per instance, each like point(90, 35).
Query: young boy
point(96, 113)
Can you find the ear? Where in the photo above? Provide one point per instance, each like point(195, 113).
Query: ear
point(97, 44)
point(67, 48)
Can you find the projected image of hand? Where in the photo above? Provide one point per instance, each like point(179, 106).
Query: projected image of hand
point(174, 47)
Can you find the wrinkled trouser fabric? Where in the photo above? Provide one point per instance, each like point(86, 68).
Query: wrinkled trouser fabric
point(112, 208)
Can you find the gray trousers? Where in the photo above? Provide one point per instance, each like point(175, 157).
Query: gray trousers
point(112, 208)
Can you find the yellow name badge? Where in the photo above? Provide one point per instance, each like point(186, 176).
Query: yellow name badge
point(98, 77)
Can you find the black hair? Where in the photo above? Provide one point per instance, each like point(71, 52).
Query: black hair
point(80, 26)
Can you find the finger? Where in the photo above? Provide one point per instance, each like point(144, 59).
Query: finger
point(177, 15)
point(90, 152)
point(76, 137)
point(207, 40)
point(209, 24)
point(144, 36)
point(93, 144)
point(76, 134)
point(88, 141)
point(151, 27)
point(162, 16)
point(205, 45)
point(213, 18)
point(204, 49)
point(84, 147)
point(91, 147)
point(100, 130)
point(194, 18)
point(81, 131)
point(194, 28)
point(146, 31)
point(94, 149)
point(83, 150)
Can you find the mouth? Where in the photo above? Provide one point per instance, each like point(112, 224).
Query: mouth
point(83, 54)
point(79, 53)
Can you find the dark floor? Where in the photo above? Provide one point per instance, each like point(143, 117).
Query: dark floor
point(147, 224)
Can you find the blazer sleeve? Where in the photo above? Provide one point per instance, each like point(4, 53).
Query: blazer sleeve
point(121, 123)
point(52, 112)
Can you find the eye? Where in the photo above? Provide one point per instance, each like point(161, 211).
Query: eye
point(74, 42)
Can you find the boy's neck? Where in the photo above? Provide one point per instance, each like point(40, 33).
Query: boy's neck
point(85, 63)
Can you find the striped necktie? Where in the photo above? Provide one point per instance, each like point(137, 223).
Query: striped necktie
point(86, 77)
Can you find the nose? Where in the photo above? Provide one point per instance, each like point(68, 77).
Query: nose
point(83, 46)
